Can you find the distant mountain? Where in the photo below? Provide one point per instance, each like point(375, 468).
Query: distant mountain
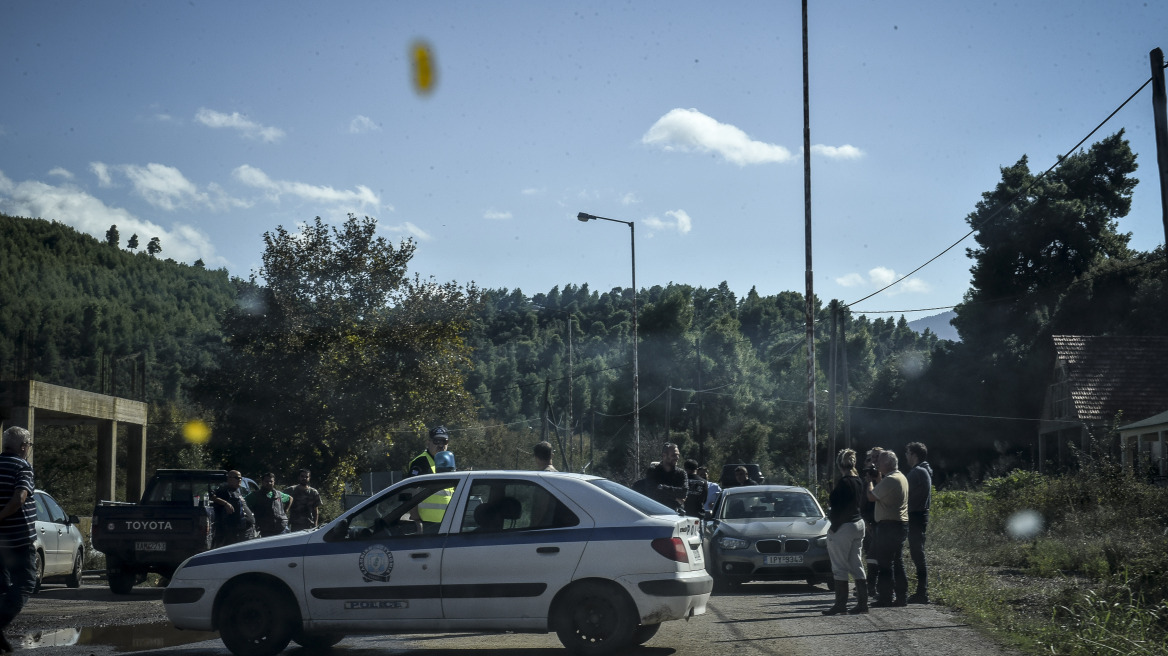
point(939, 324)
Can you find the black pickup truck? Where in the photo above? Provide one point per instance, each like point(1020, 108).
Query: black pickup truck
point(173, 521)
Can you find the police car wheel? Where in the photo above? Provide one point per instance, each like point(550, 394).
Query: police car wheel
point(255, 620)
point(594, 618)
point(645, 633)
point(317, 640)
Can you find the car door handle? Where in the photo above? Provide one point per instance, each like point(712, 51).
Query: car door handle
point(420, 554)
point(548, 550)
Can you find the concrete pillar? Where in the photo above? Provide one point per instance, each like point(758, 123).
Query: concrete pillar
point(25, 418)
point(107, 452)
point(1163, 455)
point(135, 461)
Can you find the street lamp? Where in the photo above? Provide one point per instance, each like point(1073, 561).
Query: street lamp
point(636, 370)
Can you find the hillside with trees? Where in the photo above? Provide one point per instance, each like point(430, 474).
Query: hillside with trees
point(333, 354)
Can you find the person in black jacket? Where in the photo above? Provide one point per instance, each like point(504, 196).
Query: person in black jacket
point(845, 535)
point(920, 496)
point(695, 500)
point(668, 483)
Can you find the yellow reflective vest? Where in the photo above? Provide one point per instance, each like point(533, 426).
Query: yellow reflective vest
point(433, 508)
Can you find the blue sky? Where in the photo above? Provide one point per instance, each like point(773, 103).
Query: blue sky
point(208, 123)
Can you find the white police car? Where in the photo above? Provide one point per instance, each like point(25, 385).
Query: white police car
point(588, 558)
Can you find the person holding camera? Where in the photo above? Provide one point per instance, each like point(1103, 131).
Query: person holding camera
point(867, 511)
point(845, 535)
point(891, 497)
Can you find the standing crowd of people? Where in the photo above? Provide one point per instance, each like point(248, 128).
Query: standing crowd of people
point(873, 517)
point(265, 511)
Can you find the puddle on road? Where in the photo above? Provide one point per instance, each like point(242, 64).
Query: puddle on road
point(136, 637)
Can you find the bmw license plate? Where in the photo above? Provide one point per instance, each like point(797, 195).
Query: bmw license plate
point(149, 546)
point(782, 560)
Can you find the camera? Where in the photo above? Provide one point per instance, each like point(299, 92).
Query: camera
point(871, 472)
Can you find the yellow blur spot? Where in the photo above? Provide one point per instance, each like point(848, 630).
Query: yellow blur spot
point(196, 432)
point(425, 69)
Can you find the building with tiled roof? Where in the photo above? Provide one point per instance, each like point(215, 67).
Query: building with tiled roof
point(1098, 384)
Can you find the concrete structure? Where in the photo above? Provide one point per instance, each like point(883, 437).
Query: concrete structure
point(31, 403)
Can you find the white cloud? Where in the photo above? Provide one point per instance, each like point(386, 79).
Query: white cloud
point(74, 207)
point(680, 222)
point(496, 215)
point(361, 124)
point(881, 277)
point(688, 130)
point(838, 152)
point(531, 191)
point(61, 173)
point(163, 186)
point(408, 229)
point(359, 198)
point(629, 199)
point(237, 121)
point(103, 174)
point(850, 280)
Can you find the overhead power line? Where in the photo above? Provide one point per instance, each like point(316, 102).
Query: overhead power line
point(1004, 206)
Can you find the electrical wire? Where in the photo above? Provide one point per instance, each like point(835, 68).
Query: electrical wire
point(1008, 204)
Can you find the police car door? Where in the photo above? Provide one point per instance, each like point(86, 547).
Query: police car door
point(514, 546)
point(379, 565)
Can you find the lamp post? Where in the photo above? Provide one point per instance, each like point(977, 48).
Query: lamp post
point(636, 370)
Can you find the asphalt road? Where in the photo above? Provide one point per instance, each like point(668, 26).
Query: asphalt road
point(760, 619)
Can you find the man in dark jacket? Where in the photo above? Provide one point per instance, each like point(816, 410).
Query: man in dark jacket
point(668, 484)
point(920, 496)
point(270, 507)
point(695, 499)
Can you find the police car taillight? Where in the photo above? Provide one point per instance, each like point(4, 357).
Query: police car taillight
point(671, 548)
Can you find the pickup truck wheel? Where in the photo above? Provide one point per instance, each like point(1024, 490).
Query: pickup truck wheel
point(256, 620)
point(39, 564)
point(594, 619)
point(74, 578)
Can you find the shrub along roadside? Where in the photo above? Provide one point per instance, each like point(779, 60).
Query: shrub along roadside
point(1068, 564)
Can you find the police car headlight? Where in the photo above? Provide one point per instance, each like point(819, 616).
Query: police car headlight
point(732, 543)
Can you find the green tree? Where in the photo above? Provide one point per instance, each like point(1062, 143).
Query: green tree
point(133, 243)
point(154, 247)
point(111, 236)
point(336, 351)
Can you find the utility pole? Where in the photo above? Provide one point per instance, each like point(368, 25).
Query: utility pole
point(832, 382)
point(843, 329)
point(570, 397)
point(1161, 125)
point(811, 465)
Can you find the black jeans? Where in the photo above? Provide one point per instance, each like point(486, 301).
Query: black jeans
point(18, 579)
point(918, 524)
point(889, 548)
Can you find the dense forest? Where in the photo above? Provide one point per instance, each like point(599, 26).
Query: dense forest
point(333, 355)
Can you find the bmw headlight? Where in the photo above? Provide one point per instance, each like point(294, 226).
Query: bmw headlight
point(732, 543)
point(821, 541)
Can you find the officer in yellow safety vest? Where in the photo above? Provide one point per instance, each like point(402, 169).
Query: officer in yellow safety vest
point(433, 508)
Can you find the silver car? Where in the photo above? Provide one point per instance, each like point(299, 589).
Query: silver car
point(60, 550)
point(766, 533)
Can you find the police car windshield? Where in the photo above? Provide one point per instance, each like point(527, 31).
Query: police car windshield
point(633, 498)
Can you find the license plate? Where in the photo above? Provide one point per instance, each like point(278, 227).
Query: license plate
point(149, 546)
point(782, 560)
